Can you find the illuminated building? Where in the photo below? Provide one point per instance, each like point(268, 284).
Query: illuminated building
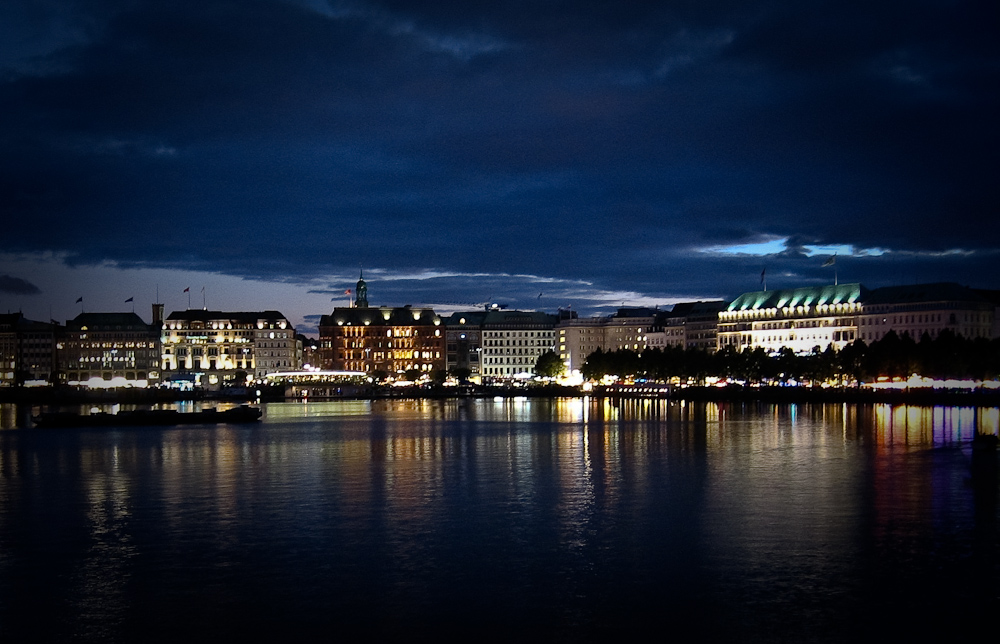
point(627, 329)
point(577, 338)
point(8, 349)
point(100, 350)
point(993, 297)
point(363, 338)
point(805, 318)
point(799, 318)
point(390, 339)
point(214, 348)
point(463, 342)
point(920, 309)
point(27, 350)
point(689, 325)
point(308, 352)
point(513, 341)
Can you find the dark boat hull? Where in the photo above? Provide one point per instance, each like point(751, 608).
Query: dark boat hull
point(161, 417)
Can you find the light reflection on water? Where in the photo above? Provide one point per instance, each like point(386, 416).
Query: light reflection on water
point(578, 518)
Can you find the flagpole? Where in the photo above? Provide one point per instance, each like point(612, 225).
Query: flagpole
point(833, 262)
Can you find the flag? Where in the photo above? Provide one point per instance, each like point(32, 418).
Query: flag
point(539, 295)
point(187, 290)
point(347, 292)
point(831, 261)
point(762, 275)
point(79, 299)
point(128, 300)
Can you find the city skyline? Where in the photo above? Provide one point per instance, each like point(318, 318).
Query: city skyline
point(540, 157)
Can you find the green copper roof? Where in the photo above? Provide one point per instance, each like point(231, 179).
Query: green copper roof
point(805, 296)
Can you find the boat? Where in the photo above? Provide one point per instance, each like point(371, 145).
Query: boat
point(141, 417)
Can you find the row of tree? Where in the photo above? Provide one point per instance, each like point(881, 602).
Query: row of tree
point(943, 357)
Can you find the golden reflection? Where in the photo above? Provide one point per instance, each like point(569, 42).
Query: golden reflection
point(9, 413)
point(102, 580)
point(912, 426)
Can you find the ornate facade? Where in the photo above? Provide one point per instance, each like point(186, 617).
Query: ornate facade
point(109, 350)
point(216, 348)
point(799, 318)
point(390, 339)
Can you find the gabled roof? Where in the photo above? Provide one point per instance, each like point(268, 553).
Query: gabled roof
point(17, 322)
point(471, 318)
point(519, 318)
point(687, 309)
point(107, 322)
point(245, 317)
point(635, 312)
point(381, 316)
point(990, 294)
point(10, 319)
point(934, 292)
point(807, 295)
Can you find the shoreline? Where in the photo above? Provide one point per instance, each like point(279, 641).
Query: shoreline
point(786, 395)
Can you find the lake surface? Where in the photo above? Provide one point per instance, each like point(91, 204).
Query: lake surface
point(564, 520)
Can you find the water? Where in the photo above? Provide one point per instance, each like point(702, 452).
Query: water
point(562, 520)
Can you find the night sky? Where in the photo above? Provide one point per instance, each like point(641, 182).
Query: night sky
point(537, 154)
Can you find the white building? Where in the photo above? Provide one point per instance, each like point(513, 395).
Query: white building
point(799, 318)
point(689, 325)
point(512, 342)
point(214, 348)
point(920, 309)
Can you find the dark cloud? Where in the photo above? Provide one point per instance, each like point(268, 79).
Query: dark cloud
point(17, 286)
point(608, 143)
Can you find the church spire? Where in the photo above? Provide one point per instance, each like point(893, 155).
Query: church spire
point(361, 300)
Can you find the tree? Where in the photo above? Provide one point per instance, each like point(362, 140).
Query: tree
point(412, 375)
point(461, 374)
point(549, 365)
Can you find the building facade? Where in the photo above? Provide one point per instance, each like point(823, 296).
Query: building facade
point(577, 338)
point(513, 341)
point(211, 349)
point(627, 329)
point(27, 351)
point(688, 325)
point(926, 309)
point(389, 339)
point(800, 319)
point(463, 343)
point(100, 350)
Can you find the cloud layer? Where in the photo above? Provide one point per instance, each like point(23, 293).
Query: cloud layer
point(622, 147)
